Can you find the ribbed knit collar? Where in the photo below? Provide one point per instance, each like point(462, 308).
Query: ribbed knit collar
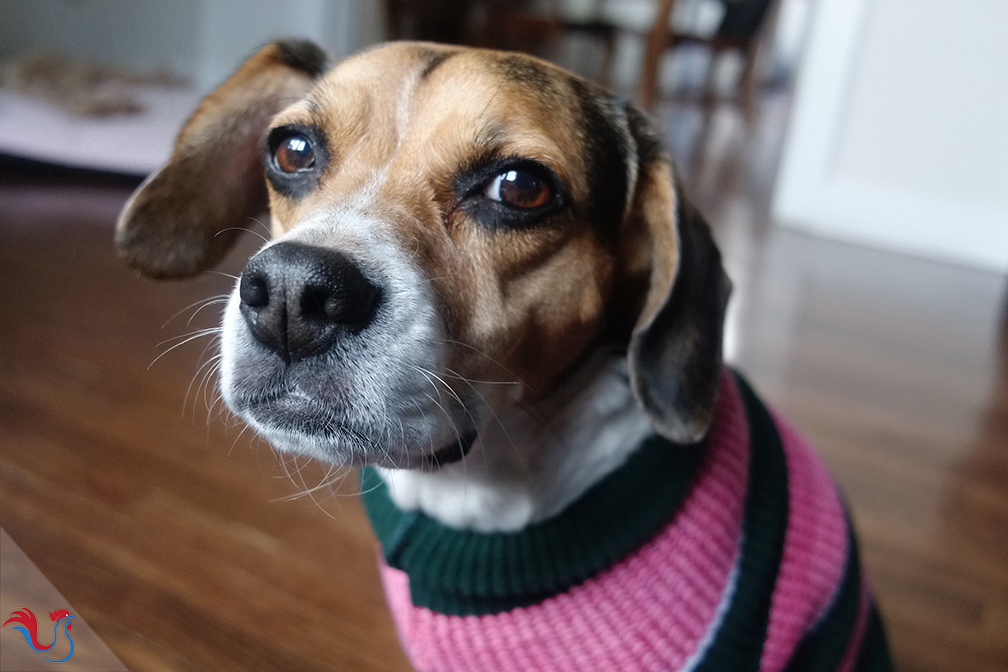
point(465, 572)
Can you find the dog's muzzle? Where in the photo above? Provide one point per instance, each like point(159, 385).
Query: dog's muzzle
point(298, 299)
point(337, 352)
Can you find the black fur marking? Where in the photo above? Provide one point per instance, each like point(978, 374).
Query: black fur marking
point(432, 59)
point(304, 55)
point(522, 69)
point(608, 152)
point(649, 145)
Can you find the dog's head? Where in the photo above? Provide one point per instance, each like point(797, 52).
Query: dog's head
point(454, 231)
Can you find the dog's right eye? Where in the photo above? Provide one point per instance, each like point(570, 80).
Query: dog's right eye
point(294, 153)
point(296, 157)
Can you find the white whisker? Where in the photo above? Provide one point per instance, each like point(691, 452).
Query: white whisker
point(202, 303)
point(188, 338)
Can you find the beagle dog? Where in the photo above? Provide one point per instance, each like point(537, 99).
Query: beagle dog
point(487, 290)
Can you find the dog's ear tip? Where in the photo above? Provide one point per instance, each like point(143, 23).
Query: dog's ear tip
point(683, 414)
point(139, 244)
point(143, 265)
point(683, 435)
point(676, 431)
point(137, 258)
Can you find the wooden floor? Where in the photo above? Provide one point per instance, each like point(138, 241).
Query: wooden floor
point(172, 534)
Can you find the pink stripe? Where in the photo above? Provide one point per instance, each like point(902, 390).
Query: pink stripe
point(815, 551)
point(649, 612)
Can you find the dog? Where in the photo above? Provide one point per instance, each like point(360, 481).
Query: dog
point(488, 291)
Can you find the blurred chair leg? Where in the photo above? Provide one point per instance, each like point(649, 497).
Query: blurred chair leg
point(747, 87)
point(657, 41)
point(708, 92)
point(609, 50)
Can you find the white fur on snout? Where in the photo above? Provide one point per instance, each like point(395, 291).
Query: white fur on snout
point(377, 383)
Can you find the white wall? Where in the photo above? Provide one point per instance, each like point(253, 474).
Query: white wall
point(203, 40)
point(899, 133)
point(144, 34)
point(231, 29)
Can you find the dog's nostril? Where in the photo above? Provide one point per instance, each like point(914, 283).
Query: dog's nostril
point(327, 304)
point(334, 307)
point(346, 300)
point(313, 300)
point(253, 290)
point(346, 309)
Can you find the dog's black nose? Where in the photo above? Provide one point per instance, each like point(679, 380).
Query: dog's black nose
point(298, 298)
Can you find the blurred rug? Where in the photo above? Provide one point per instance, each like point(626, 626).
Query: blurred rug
point(68, 113)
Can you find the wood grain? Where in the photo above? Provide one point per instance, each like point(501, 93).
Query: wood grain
point(170, 529)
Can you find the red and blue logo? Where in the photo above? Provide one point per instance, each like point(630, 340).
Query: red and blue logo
point(28, 627)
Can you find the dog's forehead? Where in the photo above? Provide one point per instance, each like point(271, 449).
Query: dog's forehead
point(416, 97)
point(469, 76)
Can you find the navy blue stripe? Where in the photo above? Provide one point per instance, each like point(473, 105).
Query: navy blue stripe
point(822, 649)
point(738, 644)
point(874, 655)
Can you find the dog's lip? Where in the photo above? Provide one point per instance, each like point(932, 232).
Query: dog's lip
point(268, 399)
point(290, 409)
point(453, 452)
point(293, 410)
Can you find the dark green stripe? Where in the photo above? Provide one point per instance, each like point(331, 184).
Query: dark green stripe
point(463, 572)
point(822, 649)
point(874, 655)
point(738, 644)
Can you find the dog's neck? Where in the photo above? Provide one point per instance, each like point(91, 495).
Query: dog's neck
point(528, 464)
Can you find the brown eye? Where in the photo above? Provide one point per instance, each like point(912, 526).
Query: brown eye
point(518, 188)
point(294, 153)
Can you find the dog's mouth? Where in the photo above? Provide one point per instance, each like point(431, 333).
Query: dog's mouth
point(452, 452)
point(293, 420)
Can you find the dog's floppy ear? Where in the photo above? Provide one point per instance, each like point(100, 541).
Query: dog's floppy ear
point(184, 217)
point(675, 348)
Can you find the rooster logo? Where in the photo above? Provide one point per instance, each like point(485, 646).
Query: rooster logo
point(28, 627)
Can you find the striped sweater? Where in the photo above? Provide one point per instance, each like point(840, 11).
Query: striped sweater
point(735, 554)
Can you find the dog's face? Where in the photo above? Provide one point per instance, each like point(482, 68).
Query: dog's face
point(454, 231)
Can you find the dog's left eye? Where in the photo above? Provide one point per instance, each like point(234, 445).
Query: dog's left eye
point(294, 153)
point(509, 192)
point(519, 188)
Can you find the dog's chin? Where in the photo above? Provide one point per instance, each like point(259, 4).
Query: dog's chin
point(300, 425)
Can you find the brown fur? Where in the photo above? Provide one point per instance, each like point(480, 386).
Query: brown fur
point(518, 304)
